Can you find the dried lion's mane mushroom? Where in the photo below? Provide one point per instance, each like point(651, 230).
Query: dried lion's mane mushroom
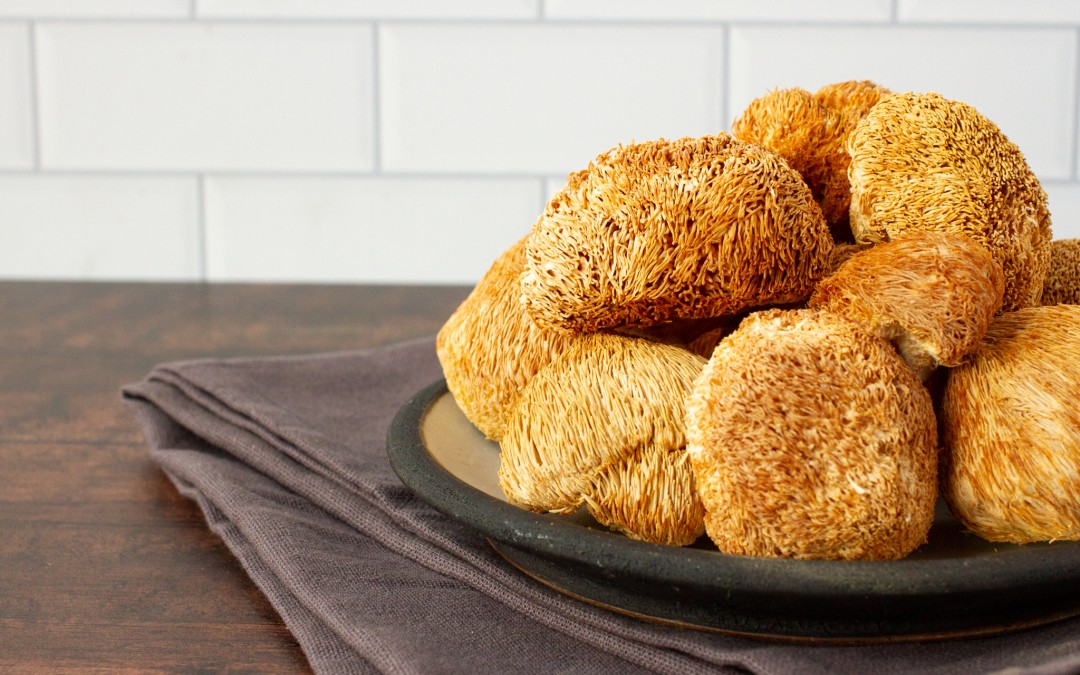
point(1011, 429)
point(810, 131)
point(664, 230)
point(811, 438)
point(1062, 283)
point(932, 294)
point(695, 336)
point(489, 347)
point(924, 162)
point(851, 98)
point(602, 425)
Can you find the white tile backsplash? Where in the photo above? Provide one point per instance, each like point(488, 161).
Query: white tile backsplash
point(206, 96)
point(383, 141)
point(540, 99)
point(16, 98)
point(989, 68)
point(369, 9)
point(39, 9)
point(99, 227)
point(1064, 208)
point(990, 11)
point(311, 229)
point(720, 10)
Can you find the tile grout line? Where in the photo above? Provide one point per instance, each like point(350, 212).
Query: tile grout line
point(891, 21)
point(200, 228)
point(376, 101)
point(542, 15)
point(510, 22)
point(35, 103)
point(514, 175)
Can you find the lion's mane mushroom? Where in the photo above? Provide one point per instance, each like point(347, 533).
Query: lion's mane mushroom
point(685, 229)
point(932, 294)
point(807, 134)
point(602, 425)
point(852, 99)
point(811, 438)
point(810, 131)
point(663, 230)
point(489, 347)
point(1011, 429)
point(1062, 283)
point(924, 162)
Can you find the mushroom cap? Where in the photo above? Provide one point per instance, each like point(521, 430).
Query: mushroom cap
point(1011, 429)
point(649, 495)
point(924, 162)
point(1062, 283)
point(602, 425)
point(852, 98)
point(806, 133)
point(810, 131)
point(932, 294)
point(811, 438)
point(684, 229)
point(489, 347)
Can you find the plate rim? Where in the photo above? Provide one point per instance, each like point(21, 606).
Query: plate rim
point(774, 599)
point(548, 534)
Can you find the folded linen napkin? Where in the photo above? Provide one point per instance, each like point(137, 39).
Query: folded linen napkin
point(286, 457)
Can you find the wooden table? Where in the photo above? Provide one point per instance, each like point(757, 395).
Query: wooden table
point(103, 565)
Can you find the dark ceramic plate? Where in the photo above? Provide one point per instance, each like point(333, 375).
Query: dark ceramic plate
point(955, 585)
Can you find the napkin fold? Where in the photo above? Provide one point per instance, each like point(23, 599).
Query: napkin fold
point(286, 458)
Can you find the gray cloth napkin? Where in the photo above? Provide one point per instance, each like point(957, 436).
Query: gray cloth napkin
point(286, 458)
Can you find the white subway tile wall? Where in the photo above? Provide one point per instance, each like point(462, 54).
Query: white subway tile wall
point(990, 68)
point(721, 10)
point(350, 229)
point(16, 99)
point(1044, 12)
point(95, 9)
point(369, 9)
point(204, 96)
point(540, 99)
point(410, 142)
point(100, 227)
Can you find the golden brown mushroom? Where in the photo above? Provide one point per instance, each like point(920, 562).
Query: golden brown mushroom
point(602, 425)
point(808, 135)
point(811, 438)
point(852, 99)
point(1062, 283)
point(930, 293)
point(489, 347)
point(685, 229)
point(810, 131)
point(1011, 429)
point(923, 162)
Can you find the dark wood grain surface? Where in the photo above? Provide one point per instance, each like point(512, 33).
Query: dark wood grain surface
point(103, 565)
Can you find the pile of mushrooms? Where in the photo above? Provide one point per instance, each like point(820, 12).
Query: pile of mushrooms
point(734, 334)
